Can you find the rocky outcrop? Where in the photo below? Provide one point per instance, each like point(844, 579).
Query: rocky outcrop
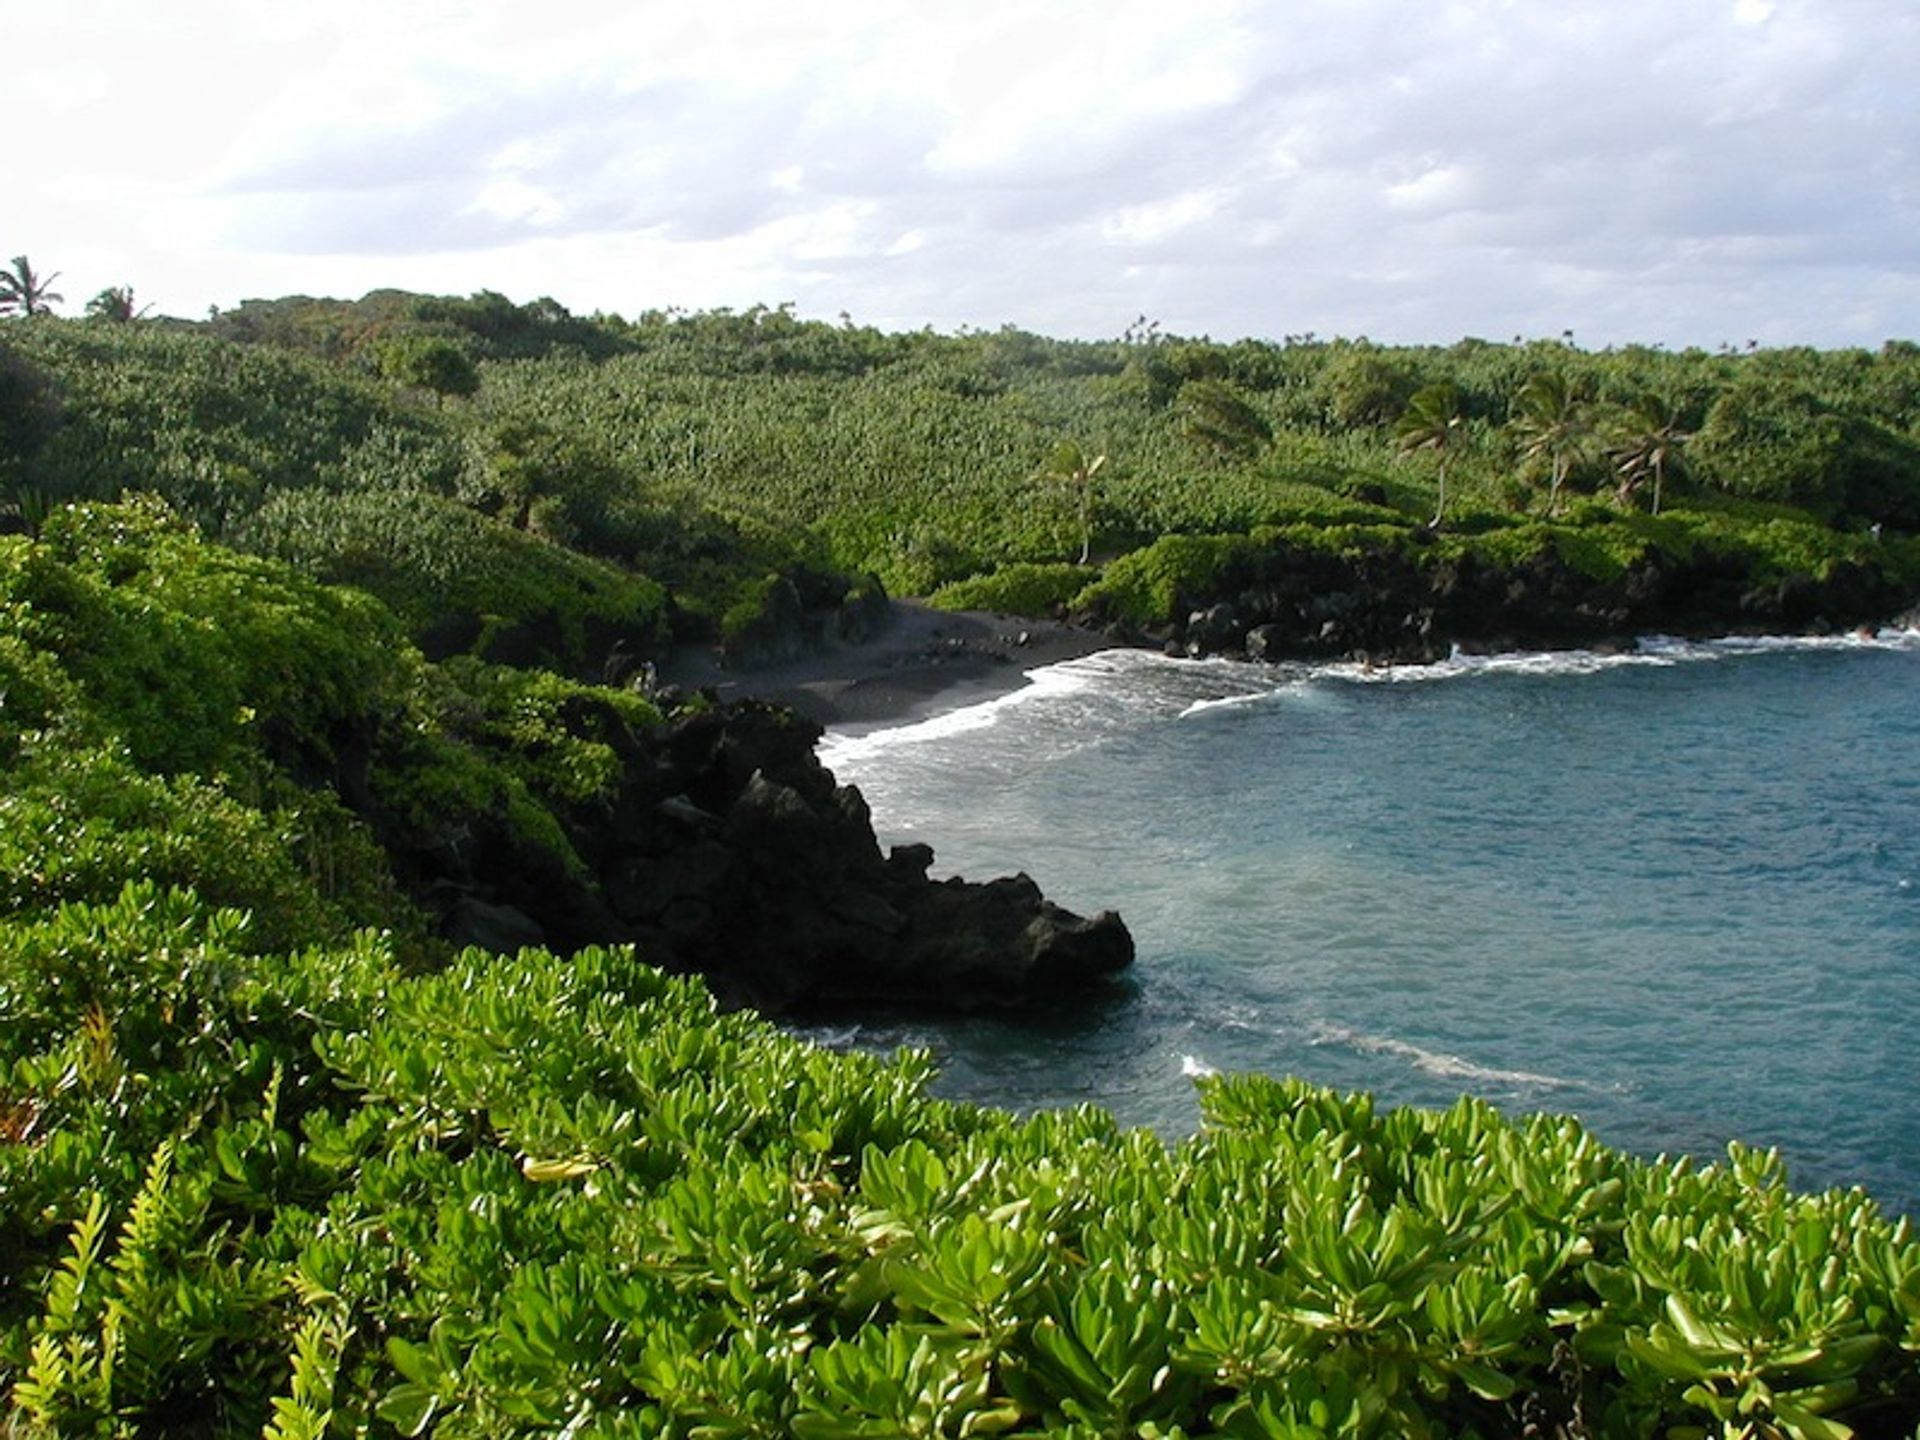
point(787, 617)
point(731, 851)
point(1388, 606)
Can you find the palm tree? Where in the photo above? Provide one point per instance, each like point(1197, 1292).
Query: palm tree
point(1432, 421)
point(1216, 415)
point(1649, 443)
point(22, 290)
point(1553, 425)
point(115, 303)
point(1070, 471)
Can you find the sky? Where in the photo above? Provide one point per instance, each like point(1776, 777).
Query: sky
point(1679, 172)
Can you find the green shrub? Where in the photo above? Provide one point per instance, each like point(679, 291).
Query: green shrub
point(1147, 585)
point(428, 362)
point(456, 578)
point(212, 426)
point(557, 735)
point(1020, 589)
point(527, 1193)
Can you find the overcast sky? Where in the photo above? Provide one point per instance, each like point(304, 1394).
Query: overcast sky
point(1675, 171)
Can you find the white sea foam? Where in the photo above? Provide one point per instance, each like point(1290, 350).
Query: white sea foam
point(1124, 681)
point(1649, 651)
point(1235, 702)
point(1048, 681)
point(1194, 1068)
point(1185, 689)
point(1436, 1062)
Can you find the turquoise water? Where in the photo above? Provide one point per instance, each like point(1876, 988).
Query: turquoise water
point(1676, 893)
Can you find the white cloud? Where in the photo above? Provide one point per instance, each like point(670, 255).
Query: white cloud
point(1160, 221)
point(1633, 170)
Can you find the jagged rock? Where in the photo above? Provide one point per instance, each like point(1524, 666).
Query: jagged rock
point(1213, 630)
point(1392, 604)
point(731, 851)
point(1267, 642)
point(911, 861)
point(988, 943)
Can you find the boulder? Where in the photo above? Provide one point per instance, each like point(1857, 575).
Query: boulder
point(1213, 630)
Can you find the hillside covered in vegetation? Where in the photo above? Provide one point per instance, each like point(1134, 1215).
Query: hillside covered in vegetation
point(524, 484)
point(332, 671)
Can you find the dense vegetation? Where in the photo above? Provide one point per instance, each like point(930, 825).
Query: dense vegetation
point(704, 453)
point(310, 1193)
point(274, 1160)
point(264, 1169)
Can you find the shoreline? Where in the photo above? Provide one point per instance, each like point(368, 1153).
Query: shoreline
point(923, 663)
point(928, 662)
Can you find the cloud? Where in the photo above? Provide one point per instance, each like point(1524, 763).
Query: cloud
point(1634, 170)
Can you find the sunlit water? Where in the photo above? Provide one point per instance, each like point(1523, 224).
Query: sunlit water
point(1676, 893)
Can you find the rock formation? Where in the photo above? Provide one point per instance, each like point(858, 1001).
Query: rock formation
point(731, 851)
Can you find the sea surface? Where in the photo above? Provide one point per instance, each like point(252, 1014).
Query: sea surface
point(1674, 892)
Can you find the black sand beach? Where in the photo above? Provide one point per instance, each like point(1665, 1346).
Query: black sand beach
point(924, 661)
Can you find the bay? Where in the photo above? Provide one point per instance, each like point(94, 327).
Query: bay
point(1674, 892)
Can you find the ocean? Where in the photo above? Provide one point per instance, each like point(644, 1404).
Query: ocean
point(1674, 892)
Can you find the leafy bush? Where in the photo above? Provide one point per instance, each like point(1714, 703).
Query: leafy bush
point(1020, 589)
point(459, 580)
point(527, 1194)
point(428, 363)
point(213, 427)
point(559, 736)
point(1148, 585)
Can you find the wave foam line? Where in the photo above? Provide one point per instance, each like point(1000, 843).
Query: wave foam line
point(1650, 651)
point(1225, 702)
point(1109, 673)
point(1067, 677)
point(1251, 684)
point(1435, 1062)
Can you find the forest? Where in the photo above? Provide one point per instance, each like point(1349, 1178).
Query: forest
point(303, 605)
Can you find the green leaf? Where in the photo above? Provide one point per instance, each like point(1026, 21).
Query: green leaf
point(409, 1407)
point(1484, 1380)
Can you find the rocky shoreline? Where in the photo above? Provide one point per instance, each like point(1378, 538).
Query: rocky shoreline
point(730, 851)
point(1383, 607)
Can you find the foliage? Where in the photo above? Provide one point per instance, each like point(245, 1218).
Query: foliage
point(1770, 437)
point(181, 647)
point(216, 428)
point(708, 451)
point(262, 1171)
point(459, 581)
point(1215, 415)
point(182, 714)
point(428, 363)
point(1432, 422)
point(1554, 427)
point(25, 293)
point(29, 414)
point(1648, 441)
point(1149, 584)
point(1070, 473)
point(528, 1194)
point(1361, 385)
point(116, 306)
point(1019, 589)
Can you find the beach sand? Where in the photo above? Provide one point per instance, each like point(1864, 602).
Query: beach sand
point(924, 662)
